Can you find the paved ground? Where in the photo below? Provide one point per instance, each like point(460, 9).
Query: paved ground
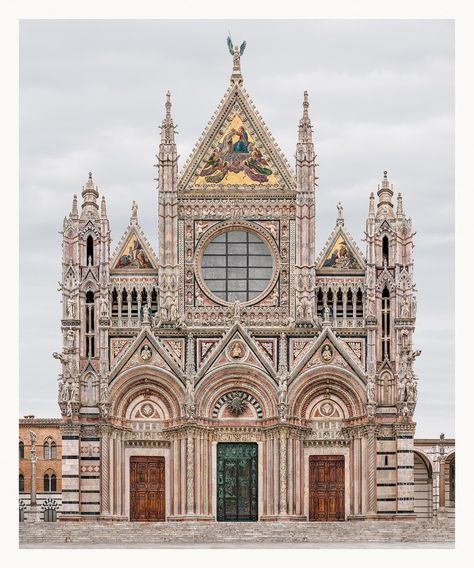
point(346, 545)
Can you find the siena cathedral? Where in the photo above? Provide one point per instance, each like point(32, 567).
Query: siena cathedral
point(233, 372)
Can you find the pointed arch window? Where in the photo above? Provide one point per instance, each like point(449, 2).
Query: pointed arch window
point(154, 301)
point(134, 306)
point(320, 303)
point(350, 304)
point(385, 249)
point(53, 451)
point(114, 303)
point(359, 304)
point(124, 313)
point(21, 482)
point(46, 451)
point(46, 483)
point(21, 450)
point(90, 250)
point(386, 324)
point(90, 325)
point(339, 304)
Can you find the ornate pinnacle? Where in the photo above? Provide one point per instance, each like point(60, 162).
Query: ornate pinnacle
point(167, 126)
point(385, 194)
point(90, 194)
point(74, 212)
point(305, 129)
point(103, 208)
point(400, 212)
point(371, 204)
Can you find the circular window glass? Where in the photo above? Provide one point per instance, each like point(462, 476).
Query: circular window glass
point(237, 265)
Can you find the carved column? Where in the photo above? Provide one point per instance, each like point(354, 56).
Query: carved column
point(371, 471)
point(190, 475)
point(283, 474)
point(104, 472)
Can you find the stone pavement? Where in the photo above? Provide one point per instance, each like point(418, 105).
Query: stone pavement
point(358, 534)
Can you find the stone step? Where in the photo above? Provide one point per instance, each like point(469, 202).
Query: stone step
point(212, 532)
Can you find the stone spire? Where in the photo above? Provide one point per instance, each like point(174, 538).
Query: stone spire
point(400, 212)
point(305, 129)
point(385, 194)
point(74, 211)
point(103, 208)
point(90, 194)
point(167, 126)
point(372, 205)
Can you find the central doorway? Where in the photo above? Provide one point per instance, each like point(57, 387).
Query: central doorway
point(237, 482)
point(326, 488)
point(147, 488)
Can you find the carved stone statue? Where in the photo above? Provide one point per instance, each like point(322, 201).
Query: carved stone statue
point(236, 52)
point(104, 307)
point(189, 389)
point(33, 440)
point(236, 310)
point(283, 388)
point(70, 340)
point(371, 390)
point(70, 308)
point(401, 389)
point(405, 307)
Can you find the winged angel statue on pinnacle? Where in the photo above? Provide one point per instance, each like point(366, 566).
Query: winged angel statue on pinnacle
point(236, 51)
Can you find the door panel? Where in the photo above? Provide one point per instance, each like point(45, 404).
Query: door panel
point(326, 488)
point(237, 479)
point(147, 488)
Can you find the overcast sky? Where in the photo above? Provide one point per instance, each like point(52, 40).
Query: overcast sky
point(381, 97)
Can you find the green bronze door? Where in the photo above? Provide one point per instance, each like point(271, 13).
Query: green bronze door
point(237, 480)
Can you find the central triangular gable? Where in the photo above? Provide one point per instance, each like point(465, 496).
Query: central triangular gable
point(236, 151)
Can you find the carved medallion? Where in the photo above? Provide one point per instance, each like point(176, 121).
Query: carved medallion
point(326, 354)
point(146, 410)
point(327, 409)
point(237, 350)
point(146, 352)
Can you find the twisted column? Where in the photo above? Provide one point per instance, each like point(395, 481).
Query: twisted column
point(371, 472)
point(190, 475)
point(283, 473)
point(104, 473)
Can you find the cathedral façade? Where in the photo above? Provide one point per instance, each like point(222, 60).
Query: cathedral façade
point(237, 374)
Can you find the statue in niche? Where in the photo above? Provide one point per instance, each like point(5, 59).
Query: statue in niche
point(236, 310)
point(371, 390)
point(70, 308)
point(104, 307)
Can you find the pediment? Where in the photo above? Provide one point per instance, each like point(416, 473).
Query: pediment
point(133, 253)
point(145, 350)
point(236, 152)
point(340, 254)
point(327, 350)
point(236, 347)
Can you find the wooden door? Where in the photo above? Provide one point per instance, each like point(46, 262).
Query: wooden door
point(237, 482)
point(326, 488)
point(147, 488)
